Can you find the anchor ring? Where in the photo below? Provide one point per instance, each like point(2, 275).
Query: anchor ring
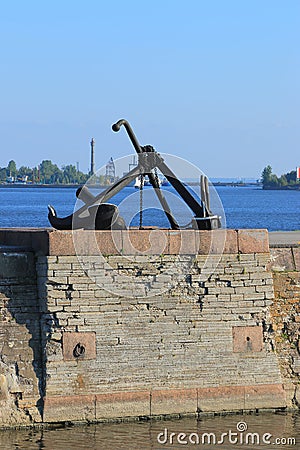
point(79, 350)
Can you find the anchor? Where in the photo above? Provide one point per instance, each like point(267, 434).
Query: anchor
point(97, 214)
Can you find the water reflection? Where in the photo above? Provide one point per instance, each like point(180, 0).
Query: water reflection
point(280, 431)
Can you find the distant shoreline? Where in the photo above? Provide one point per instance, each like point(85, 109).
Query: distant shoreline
point(281, 188)
point(100, 186)
point(35, 186)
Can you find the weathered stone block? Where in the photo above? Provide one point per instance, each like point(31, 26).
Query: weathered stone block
point(183, 242)
point(217, 242)
point(296, 254)
point(253, 241)
point(224, 398)
point(256, 397)
point(69, 408)
point(123, 404)
point(173, 401)
point(17, 265)
point(247, 339)
point(78, 346)
point(153, 242)
point(281, 259)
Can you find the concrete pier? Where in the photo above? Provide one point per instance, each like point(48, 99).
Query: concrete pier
point(144, 323)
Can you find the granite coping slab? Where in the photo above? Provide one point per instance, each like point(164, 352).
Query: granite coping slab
point(47, 241)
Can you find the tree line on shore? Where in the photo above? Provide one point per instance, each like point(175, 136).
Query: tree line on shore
point(49, 173)
point(45, 173)
point(272, 181)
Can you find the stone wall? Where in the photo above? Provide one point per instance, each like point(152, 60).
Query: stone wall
point(21, 373)
point(285, 316)
point(135, 326)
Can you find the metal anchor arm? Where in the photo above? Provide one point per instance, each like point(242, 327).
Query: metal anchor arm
point(163, 202)
point(197, 209)
point(105, 195)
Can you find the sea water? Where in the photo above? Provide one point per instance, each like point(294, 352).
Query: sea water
point(239, 207)
point(227, 432)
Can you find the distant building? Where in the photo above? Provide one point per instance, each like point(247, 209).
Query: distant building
point(92, 172)
point(110, 172)
point(18, 180)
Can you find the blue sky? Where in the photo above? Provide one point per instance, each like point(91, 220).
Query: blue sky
point(214, 81)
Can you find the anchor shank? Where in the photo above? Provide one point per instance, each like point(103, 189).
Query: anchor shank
point(163, 202)
point(116, 127)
